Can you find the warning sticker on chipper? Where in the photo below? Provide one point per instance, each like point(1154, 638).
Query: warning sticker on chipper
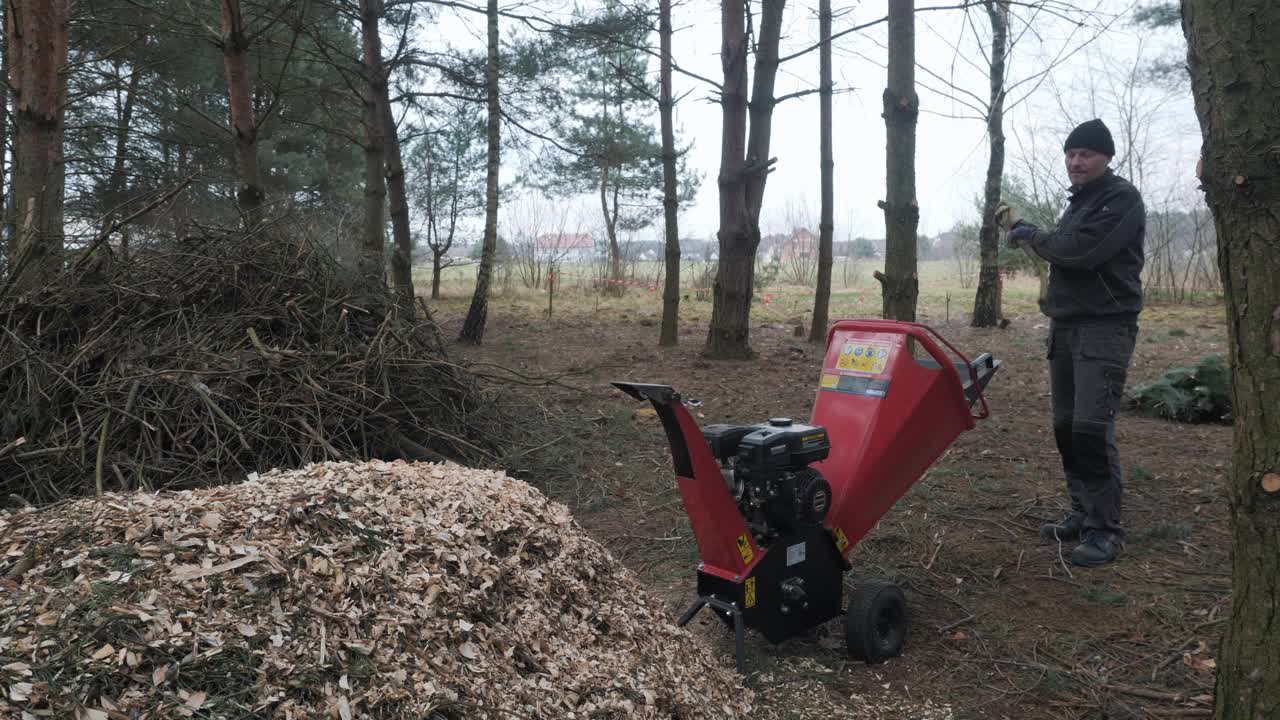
point(744, 549)
point(855, 385)
point(862, 356)
point(750, 593)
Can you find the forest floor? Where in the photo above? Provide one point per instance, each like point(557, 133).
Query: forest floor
point(1002, 626)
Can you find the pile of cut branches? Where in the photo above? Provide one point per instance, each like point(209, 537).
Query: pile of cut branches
point(1200, 394)
point(213, 357)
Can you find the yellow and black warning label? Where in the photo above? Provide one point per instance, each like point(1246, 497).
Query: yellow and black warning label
point(863, 357)
point(744, 548)
point(842, 541)
point(749, 600)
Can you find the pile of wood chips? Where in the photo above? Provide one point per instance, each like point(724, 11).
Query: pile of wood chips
point(378, 590)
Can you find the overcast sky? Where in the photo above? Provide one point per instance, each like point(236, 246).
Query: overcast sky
point(951, 150)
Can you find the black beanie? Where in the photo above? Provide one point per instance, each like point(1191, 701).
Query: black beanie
point(1091, 135)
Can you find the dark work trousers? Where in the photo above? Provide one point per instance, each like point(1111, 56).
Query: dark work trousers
point(1088, 362)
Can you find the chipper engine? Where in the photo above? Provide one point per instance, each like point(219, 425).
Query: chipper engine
point(776, 507)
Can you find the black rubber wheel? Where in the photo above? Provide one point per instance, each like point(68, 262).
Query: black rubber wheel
point(875, 623)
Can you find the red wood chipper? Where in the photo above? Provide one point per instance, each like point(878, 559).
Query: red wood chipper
point(777, 507)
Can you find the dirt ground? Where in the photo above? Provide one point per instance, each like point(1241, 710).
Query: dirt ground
point(1002, 625)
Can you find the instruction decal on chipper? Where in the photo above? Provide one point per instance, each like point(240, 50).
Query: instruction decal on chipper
point(744, 549)
point(777, 507)
point(867, 357)
point(842, 540)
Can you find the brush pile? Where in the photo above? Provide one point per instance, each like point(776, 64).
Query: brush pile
point(213, 357)
point(378, 590)
point(1200, 394)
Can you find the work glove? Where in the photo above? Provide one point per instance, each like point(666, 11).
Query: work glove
point(1022, 233)
point(1007, 217)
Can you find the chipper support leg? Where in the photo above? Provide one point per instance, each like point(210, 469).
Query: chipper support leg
point(739, 631)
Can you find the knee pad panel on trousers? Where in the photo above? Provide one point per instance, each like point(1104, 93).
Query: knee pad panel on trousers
point(1089, 448)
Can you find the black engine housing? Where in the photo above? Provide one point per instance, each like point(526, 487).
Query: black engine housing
point(767, 468)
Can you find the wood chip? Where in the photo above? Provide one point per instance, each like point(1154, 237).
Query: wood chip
point(406, 586)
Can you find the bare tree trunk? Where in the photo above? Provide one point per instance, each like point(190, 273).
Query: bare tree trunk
point(473, 326)
point(118, 181)
point(1237, 102)
point(372, 263)
point(669, 333)
point(743, 172)
point(899, 283)
point(987, 302)
point(235, 51)
point(826, 226)
point(611, 232)
point(402, 236)
point(37, 47)
point(6, 173)
point(435, 273)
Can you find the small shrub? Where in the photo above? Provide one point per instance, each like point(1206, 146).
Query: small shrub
point(1195, 395)
point(1166, 530)
point(1103, 595)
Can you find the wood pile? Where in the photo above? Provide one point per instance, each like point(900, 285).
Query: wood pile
point(373, 590)
point(201, 361)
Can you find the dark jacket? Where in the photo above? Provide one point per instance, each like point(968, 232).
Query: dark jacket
point(1095, 253)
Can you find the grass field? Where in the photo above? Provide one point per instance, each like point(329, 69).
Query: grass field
point(942, 297)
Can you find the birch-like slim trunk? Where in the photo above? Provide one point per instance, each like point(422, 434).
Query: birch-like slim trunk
point(826, 225)
point(899, 282)
point(235, 61)
point(478, 313)
point(988, 300)
point(669, 333)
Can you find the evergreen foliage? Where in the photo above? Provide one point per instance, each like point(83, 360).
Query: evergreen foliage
point(1198, 394)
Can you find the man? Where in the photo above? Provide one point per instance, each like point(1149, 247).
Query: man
point(1093, 300)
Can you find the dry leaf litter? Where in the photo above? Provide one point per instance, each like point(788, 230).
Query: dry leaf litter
point(376, 590)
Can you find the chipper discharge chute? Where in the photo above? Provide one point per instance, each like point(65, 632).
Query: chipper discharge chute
point(777, 507)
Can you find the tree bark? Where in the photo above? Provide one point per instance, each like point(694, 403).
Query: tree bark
point(477, 314)
point(669, 333)
point(744, 169)
point(37, 47)
point(899, 281)
point(1239, 109)
point(611, 232)
point(402, 236)
point(435, 273)
point(826, 225)
point(988, 300)
point(118, 181)
point(235, 60)
point(372, 262)
point(6, 172)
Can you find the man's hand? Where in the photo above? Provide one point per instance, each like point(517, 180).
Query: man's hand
point(1006, 217)
point(1022, 233)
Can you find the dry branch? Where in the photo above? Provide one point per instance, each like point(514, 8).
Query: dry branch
point(213, 357)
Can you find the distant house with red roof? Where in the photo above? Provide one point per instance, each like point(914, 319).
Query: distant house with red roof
point(802, 245)
point(566, 247)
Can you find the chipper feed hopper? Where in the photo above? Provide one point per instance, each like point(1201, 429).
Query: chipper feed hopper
point(777, 507)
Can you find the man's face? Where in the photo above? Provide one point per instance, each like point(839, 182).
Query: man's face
point(1085, 165)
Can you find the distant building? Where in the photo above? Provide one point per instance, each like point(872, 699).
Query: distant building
point(644, 250)
point(802, 245)
point(566, 247)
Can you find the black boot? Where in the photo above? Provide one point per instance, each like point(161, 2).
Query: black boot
point(1098, 548)
point(1067, 529)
